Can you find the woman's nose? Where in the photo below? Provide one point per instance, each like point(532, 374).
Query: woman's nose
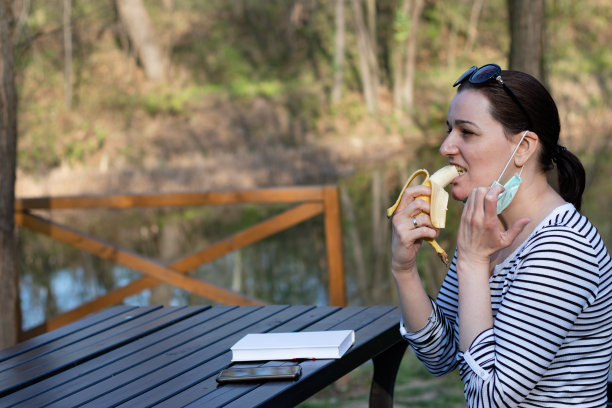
point(448, 147)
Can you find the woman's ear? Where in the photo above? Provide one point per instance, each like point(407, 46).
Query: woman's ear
point(528, 147)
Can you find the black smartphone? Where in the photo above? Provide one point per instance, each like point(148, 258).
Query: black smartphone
point(264, 373)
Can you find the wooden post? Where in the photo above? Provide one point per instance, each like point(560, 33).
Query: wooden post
point(333, 241)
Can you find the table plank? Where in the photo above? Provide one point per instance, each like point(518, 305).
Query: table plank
point(43, 339)
point(173, 341)
point(215, 344)
point(59, 354)
point(190, 385)
point(221, 395)
point(101, 328)
point(317, 374)
point(62, 384)
point(141, 374)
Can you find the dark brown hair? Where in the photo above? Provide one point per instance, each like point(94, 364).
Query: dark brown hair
point(544, 116)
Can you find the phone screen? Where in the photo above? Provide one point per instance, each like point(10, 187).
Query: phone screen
point(259, 373)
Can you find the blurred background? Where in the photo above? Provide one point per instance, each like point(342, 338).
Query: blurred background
point(124, 96)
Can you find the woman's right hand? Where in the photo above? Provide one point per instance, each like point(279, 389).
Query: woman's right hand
point(406, 238)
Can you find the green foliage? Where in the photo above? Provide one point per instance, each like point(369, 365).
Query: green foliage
point(171, 101)
point(244, 88)
point(401, 26)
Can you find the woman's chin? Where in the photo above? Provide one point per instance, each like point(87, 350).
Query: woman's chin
point(458, 195)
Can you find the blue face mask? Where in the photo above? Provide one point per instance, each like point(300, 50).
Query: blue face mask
point(511, 186)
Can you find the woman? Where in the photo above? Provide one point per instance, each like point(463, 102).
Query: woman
point(525, 310)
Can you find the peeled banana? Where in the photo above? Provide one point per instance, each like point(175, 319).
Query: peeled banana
point(438, 200)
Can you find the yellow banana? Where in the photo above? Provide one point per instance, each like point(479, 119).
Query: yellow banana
point(438, 200)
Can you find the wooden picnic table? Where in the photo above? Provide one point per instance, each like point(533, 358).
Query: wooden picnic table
point(129, 356)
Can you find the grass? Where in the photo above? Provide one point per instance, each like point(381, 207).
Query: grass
point(414, 388)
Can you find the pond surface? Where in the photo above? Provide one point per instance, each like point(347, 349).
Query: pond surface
point(287, 268)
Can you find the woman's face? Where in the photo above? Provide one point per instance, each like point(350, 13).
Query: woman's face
point(476, 142)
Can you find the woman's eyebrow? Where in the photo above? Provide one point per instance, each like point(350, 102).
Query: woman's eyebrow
point(462, 122)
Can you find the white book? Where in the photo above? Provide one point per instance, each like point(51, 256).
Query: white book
point(288, 346)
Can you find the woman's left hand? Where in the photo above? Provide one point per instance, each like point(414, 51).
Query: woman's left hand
point(480, 232)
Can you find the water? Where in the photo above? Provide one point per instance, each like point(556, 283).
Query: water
point(287, 268)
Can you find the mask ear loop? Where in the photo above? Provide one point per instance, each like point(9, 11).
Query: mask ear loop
point(511, 156)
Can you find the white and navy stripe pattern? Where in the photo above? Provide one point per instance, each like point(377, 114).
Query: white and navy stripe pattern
point(551, 342)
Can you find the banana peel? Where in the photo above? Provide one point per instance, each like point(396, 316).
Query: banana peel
point(438, 200)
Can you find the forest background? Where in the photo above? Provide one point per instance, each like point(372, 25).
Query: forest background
point(224, 95)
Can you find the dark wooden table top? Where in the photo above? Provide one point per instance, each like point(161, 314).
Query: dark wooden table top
point(170, 356)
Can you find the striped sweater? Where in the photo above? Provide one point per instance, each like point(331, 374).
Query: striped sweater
point(551, 341)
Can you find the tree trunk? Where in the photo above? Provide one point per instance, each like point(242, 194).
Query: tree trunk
point(371, 12)
point(67, 55)
point(358, 255)
point(408, 17)
point(9, 278)
point(168, 5)
point(397, 55)
point(411, 49)
point(134, 16)
point(237, 272)
point(336, 93)
point(527, 37)
point(380, 237)
point(473, 25)
point(451, 47)
point(169, 249)
point(368, 66)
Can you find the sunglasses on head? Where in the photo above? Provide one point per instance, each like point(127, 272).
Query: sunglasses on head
point(481, 75)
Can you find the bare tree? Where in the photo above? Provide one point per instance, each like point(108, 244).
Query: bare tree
point(527, 35)
point(168, 5)
point(67, 54)
point(348, 210)
point(169, 249)
point(336, 93)
point(134, 16)
point(407, 20)
point(9, 278)
point(473, 25)
point(380, 237)
point(371, 13)
point(368, 66)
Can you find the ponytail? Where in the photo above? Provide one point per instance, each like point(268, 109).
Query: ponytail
point(571, 175)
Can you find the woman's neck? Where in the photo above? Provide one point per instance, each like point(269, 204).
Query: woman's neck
point(535, 199)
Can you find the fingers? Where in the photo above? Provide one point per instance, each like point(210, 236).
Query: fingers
point(491, 200)
point(411, 220)
point(481, 231)
point(409, 233)
point(419, 221)
point(412, 223)
point(474, 206)
point(414, 209)
point(481, 205)
point(410, 195)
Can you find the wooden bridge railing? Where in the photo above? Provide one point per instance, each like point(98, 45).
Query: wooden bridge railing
point(310, 201)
